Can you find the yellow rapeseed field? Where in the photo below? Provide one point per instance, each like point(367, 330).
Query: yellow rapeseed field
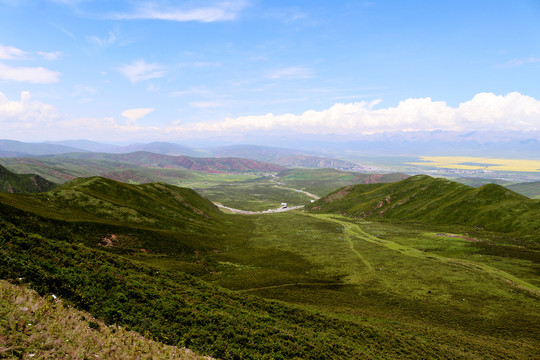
point(477, 163)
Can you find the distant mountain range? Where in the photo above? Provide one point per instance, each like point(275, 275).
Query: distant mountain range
point(147, 159)
point(12, 148)
point(279, 156)
point(291, 158)
point(140, 167)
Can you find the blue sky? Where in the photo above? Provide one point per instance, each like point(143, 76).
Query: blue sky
point(177, 70)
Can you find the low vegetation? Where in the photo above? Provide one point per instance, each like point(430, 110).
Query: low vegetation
point(23, 183)
point(165, 262)
point(323, 181)
point(46, 327)
point(426, 200)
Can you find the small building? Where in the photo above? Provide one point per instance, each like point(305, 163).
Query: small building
point(283, 205)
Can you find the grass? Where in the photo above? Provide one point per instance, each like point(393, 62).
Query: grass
point(345, 287)
point(34, 326)
point(529, 189)
point(253, 195)
point(426, 200)
point(22, 183)
point(323, 181)
point(324, 263)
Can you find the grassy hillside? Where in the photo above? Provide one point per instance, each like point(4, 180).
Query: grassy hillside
point(23, 183)
point(529, 189)
point(123, 217)
point(34, 326)
point(323, 181)
point(477, 182)
point(165, 262)
point(437, 201)
point(255, 195)
point(178, 309)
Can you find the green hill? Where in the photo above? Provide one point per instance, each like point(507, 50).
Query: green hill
point(437, 201)
point(529, 189)
point(323, 181)
point(122, 216)
point(22, 183)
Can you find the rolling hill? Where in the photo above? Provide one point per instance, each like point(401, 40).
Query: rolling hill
point(212, 165)
point(148, 211)
point(165, 262)
point(287, 157)
point(66, 242)
point(323, 181)
point(136, 167)
point(437, 201)
point(256, 152)
point(23, 183)
point(529, 189)
point(316, 162)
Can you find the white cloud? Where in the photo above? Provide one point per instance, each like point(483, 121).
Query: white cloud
point(219, 11)
point(11, 53)
point(103, 42)
point(140, 71)
point(289, 73)
point(53, 55)
point(485, 111)
point(135, 114)
point(29, 120)
point(32, 120)
point(24, 112)
point(520, 62)
point(35, 75)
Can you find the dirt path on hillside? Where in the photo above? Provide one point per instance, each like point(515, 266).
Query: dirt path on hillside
point(269, 211)
point(281, 186)
point(355, 230)
point(292, 284)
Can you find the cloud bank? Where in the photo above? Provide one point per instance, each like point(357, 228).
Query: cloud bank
point(485, 112)
point(25, 112)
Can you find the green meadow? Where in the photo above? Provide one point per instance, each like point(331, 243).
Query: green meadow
point(322, 283)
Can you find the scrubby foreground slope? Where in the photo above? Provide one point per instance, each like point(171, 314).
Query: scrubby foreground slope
point(181, 310)
point(46, 328)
